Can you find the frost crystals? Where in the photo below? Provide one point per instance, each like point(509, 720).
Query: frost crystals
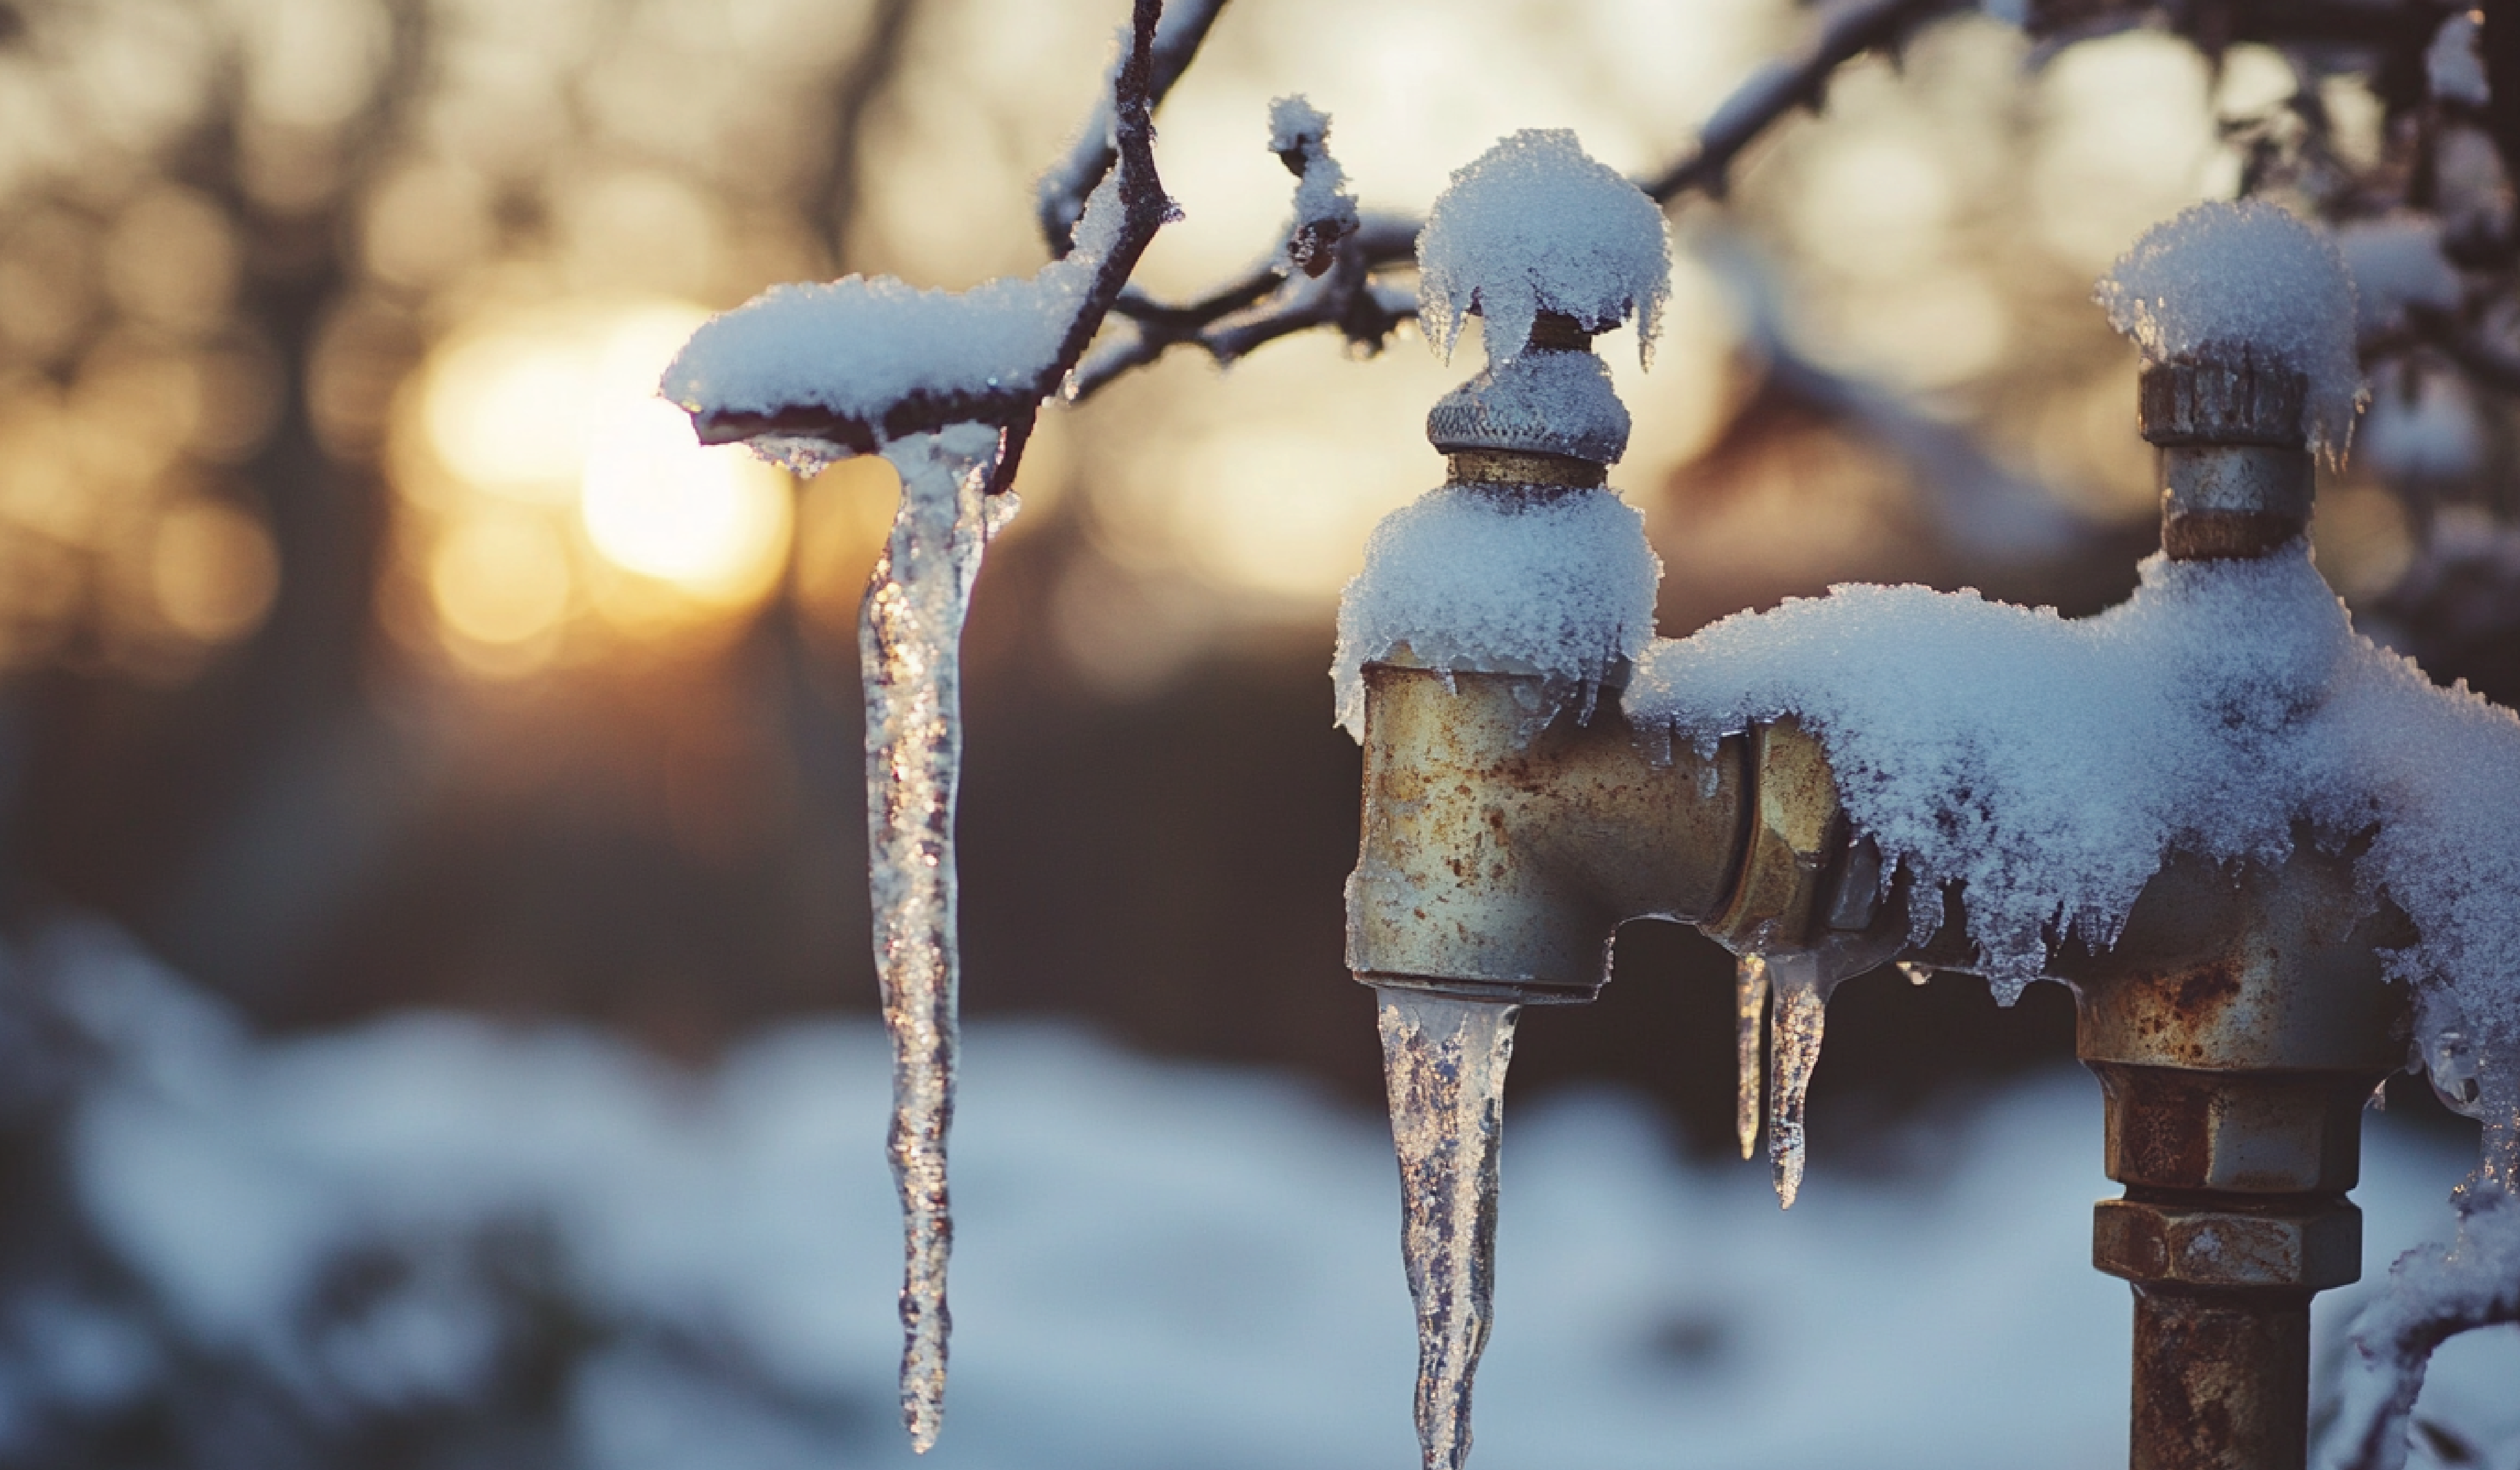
point(909, 648)
point(1535, 224)
point(1444, 1063)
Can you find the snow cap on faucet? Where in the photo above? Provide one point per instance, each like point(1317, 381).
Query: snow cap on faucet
point(2245, 313)
point(1536, 225)
point(1550, 247)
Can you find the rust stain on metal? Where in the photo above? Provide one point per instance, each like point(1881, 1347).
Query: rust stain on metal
point(2221, 1383)
point(2227, 535)
point(2205, 989)
point(2158, 1128)
point(1498, 853)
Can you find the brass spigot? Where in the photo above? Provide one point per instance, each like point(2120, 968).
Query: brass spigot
point(1506, 837)
point(1500, 859)
point(2239, 1025)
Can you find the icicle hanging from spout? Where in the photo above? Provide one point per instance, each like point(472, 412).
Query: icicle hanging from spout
point(1444, 1064)
point(909, 647)
point(1750, 1012)
point(1793, 1052)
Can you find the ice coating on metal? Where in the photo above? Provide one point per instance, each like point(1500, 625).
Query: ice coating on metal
point(1444, 1064)
point(2221, 277)
point(1534, 224)
point(1749, 1031)
point(1499, 579)
point(1793, 1053)
point(908, 648)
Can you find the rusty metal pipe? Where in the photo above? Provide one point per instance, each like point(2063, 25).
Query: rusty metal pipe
point(2220, 1381)
point(2236, 1028)
point(2237, 1025)
point(1505, 842)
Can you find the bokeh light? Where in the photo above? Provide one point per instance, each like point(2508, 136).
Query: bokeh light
point(657, 503)
point(213, 570)
point(543, 478)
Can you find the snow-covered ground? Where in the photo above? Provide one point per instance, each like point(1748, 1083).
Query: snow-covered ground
point(1157, 1266)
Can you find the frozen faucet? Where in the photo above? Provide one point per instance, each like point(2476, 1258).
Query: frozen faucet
point(2228, 823)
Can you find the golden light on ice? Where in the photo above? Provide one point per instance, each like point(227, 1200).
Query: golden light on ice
point(712, 520)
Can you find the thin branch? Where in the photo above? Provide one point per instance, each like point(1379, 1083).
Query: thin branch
point(1145, 208)
point(1232, 321)
point(1800, 80)
point(853, 96)
point(1064, 189)
point(1264, 306)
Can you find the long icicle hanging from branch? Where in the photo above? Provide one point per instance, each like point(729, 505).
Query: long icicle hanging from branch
point(909, 654)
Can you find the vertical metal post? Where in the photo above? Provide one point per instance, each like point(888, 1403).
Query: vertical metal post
point(2236, 1030)
point(2237, 1027)
point(2219, 1380)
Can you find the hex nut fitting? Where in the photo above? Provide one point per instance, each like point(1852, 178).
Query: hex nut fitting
point(2250, 1133)
point(1795, 822)
point(2305, 1249)
point(2222, 395)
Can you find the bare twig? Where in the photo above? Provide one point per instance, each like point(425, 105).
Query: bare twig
point(1145, 208)
point(1800, 80)
point(1264, 306)
point(1064, 189)
point(853, 95)
point(1234, 319)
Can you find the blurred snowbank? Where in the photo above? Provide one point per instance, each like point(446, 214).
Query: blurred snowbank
point(484, 1247)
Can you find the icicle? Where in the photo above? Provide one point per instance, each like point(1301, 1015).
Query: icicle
point(1793, 1041)
point(1444, 1063)
point(1750, 1012)
point(909, 650)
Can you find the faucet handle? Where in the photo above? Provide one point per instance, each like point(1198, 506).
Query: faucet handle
point(1553, 398)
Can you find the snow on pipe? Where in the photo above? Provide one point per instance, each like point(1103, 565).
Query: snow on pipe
point(2226, 713)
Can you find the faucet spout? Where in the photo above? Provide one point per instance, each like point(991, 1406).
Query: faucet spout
point(1505, 841)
